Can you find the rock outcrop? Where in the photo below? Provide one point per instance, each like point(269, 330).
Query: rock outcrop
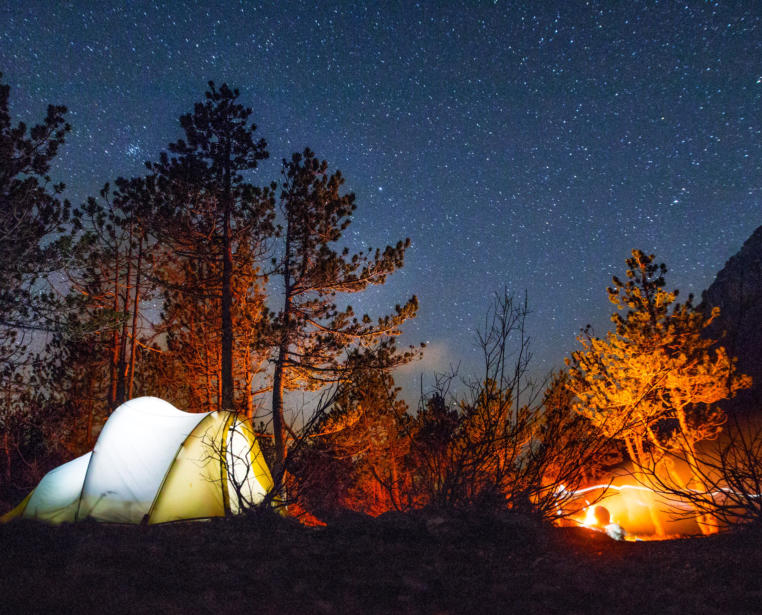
point(737, 291)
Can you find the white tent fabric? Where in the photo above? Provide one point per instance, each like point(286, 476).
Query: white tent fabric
point(133, 452)
point(57, 496)
point(154, 463)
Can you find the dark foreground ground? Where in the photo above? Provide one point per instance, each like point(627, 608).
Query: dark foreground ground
point(394, 564)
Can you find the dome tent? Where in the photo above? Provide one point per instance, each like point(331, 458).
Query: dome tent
point(153, 463)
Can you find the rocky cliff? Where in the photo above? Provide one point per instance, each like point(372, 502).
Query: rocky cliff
point(737, 291)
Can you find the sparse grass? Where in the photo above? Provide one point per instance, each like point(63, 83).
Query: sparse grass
point(418, 563)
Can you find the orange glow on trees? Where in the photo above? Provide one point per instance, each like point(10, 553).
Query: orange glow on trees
point(192, 324)
point(360, 456)
point(654, 380)
point(215, 223)
point(313, 334)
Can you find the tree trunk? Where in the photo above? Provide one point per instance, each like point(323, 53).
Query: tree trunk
point(279, 425)
point(135, 308)
point(395, 486)
point(707, 524)
point(114, 365)
point(121, 372)
point(248, 379)
point(90, 411)
point(227, 293)
point(641, 460)
point(210, 371)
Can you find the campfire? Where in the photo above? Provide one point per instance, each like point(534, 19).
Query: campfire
point(626, 510)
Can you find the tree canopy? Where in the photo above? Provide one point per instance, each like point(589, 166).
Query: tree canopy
point(31, 213)
point(654, 380)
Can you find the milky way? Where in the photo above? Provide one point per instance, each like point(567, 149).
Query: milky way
point(529, 145)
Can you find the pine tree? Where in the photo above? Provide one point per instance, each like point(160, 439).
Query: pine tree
point(212, 215)
point(192, 327)
point(31, 212)
point(313, 333)
point(654, 380)
point(368, 428)
point(111, 278)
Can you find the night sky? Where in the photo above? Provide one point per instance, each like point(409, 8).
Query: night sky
point(531, 145)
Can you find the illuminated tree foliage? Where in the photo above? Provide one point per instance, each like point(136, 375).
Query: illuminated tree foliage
point(653, 381)
point(314, 334)
point(193, 356)
point(358, 458)
point(213, 221)
point(110, 278)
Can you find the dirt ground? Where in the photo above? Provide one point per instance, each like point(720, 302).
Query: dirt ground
point(421, 563)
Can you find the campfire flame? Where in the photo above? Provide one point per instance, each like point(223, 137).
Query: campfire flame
point(636, 509)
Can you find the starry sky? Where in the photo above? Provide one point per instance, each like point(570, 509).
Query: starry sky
point(527, 145)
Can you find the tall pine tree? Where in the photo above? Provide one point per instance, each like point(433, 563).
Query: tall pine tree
point(31, 215)
point(31, 212)
point(314, 334)
point(111, 274)
point(654, 380)
point(212, 214)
